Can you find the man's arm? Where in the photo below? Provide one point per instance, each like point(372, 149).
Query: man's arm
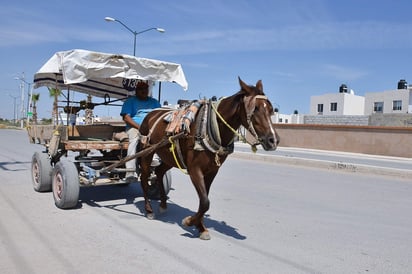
point(128, 120)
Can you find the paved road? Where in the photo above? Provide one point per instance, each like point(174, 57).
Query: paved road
point(264, 218)
point(354, 162)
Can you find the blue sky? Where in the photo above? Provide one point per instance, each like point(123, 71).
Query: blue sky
point(297, 48)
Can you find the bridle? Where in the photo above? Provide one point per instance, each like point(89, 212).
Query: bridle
point(250, 104)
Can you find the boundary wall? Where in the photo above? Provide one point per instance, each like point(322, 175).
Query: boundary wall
point(376, 140)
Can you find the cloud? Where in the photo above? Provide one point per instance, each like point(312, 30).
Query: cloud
point(343, 73)
point(218, 29)
point(334, 36)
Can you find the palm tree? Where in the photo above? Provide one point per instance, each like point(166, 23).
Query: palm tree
point(54, 92)
point(35, 97)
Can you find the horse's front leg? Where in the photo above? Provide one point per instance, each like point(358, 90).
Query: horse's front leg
point(202, 185)
point(144, 180)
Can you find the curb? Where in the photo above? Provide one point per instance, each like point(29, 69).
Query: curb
point(331, 165)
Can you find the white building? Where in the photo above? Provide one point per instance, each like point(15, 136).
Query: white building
point(279, 118)
point(392, 101)
point(385, 108)
point(342, 103)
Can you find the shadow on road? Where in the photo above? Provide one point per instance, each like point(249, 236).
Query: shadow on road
point(176, 213)
point(14, 166)
point(95, 196)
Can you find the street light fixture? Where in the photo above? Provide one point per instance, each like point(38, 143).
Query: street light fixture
point(135, 33)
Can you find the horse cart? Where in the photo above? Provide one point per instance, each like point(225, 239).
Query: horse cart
point(79, 155)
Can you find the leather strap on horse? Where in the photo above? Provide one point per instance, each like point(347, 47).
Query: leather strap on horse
point(180, 121)
point(143, 152)
point(208, 135)
point(174, 143)
point(146, 139)
point(250, 104)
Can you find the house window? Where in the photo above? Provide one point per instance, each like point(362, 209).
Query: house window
point(320, 108)
point(333, 106)
point(378, 107)
point(397, 105)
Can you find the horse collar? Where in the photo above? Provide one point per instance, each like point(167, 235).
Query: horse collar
point(208, 135)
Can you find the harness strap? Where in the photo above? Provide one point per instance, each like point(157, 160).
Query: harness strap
point(206, 132)
point(213, 129)
point(146, 139)
point(172, 150)
point(250, 107)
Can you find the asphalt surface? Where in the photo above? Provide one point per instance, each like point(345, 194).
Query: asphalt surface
point(265, 217)
point(344, 161)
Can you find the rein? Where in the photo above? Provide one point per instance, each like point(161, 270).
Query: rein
point(249, 115)
point(172, 150)
point(207, 132)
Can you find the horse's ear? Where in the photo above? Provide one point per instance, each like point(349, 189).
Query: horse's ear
point(243, 85)
point(259, 85)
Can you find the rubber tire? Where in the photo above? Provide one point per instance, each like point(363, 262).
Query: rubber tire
point(65, 185)
point(167, 181)
point(41, 172)
point(154, 191)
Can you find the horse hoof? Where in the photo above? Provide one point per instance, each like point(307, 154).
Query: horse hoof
point(186, 221)
point(150, 216)
point(162, 210)
point(204, 235)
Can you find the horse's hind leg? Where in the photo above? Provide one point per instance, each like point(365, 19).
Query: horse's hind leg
point(144, 178)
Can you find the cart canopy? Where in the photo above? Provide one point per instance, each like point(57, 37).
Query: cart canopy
point(99, 74)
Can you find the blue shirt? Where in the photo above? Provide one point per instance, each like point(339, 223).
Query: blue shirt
point(137, 109)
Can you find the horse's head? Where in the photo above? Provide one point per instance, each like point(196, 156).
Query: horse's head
point(258, 111)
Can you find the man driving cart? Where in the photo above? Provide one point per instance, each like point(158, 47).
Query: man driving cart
point(133, 112)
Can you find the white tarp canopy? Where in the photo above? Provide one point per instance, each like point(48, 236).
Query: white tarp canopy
point(98, 73)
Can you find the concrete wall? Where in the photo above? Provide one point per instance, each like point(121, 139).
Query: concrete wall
point(356, 120)
point(389, 141)
point(392, 120)
point(376, 119)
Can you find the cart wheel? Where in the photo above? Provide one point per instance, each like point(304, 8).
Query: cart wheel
point(167, 181)
point(154, 191)
point(66, 185)
point(41, 172)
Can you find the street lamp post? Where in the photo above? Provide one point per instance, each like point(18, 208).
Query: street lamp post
point(14, 108)
point(135, 33)
point(21, 104)
point(29, 97)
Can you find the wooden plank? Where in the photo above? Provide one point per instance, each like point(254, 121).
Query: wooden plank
point(43, 133)
point(98, 145)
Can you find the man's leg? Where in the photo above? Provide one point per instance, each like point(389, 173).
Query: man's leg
point(133, 139)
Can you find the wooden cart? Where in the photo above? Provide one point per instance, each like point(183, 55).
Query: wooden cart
point(91, 155)
point(85, 155)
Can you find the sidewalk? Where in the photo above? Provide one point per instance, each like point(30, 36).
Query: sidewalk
point(351, 162)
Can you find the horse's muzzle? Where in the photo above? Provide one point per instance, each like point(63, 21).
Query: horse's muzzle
point(270, 142)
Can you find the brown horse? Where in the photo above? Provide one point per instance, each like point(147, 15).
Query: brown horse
point(198, 153)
